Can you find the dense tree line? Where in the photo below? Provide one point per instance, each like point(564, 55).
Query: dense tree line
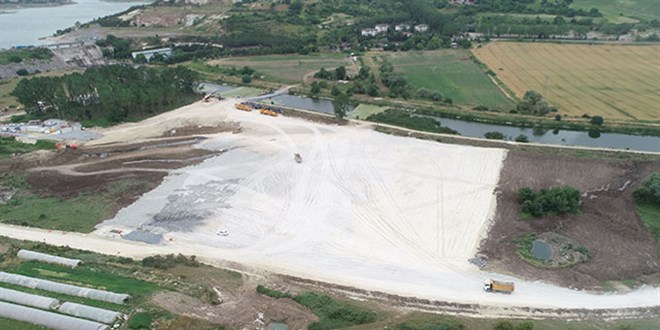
point(649, 191)
point(112, 93)
point(553, 201)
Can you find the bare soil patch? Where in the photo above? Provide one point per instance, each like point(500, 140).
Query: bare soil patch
point(621, 245)
point(244, 308)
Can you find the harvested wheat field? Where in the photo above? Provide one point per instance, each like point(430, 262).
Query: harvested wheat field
point(618, 82)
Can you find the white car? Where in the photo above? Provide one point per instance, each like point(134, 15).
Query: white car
point(222, 232)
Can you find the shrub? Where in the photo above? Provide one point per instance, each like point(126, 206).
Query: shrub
point(522, 138)
point(272, 293)
point(22, 72)
point(596, 120)
point(556, 200)
point(494, 136)
point(169, 261)
point(15, 59)
point(438, 325)
point(140, 321)
point(246, 79)
point(649, 190)
point(334, 314)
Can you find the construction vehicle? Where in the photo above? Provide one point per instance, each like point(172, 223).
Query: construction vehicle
point(207, 97)
point(244, 107)
point(297, 158)
point(491, 285)
point(268, 112)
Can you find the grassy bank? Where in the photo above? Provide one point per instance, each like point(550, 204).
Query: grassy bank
point(79, 214)
point(10, 147)
point(650, 214)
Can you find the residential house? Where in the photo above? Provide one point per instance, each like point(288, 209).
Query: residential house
point(421, 28)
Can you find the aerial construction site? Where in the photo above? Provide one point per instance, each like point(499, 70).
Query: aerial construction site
point(342, 205)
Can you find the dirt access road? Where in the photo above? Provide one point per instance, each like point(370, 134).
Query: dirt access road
point(364, 209)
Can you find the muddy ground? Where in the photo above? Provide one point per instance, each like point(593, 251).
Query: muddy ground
point(608, 226)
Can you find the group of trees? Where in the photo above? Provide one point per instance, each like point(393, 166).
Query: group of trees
point(338, 73)
point(112, 93)
point(649, 191)
point(534, 103)
point(552, 201)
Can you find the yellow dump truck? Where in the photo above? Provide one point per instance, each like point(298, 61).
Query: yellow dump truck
point(491, 285)
point(244, 107)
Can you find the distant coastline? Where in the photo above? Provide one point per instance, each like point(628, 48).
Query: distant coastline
point(22, 5)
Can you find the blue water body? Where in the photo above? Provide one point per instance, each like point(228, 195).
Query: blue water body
point(561, 137)
point(306, 103)
point(24, 26)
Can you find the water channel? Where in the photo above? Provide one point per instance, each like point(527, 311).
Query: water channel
point(472, 129)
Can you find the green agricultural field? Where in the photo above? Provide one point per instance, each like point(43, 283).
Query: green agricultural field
point(615, 10)
point(288, 68)
point(453, 73)
point(19, 325)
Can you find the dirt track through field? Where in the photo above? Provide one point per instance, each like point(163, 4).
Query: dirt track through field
point(364, 209)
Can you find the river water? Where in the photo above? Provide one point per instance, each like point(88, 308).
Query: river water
point(24, 26)
point(472, 129)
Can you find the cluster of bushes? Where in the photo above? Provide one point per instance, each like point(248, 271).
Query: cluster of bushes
point(403, 118)
point(332, 313)
point(273, 293)
point(169, 261)
point(438, 325)
point(338, 74)
point(533, 103)
point(18, 56)
point(552, 201)
point(649, 191)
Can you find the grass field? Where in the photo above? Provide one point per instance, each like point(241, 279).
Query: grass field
point(242, 92)
point(362, 111)
point(80, 213)
point(611, 9)
point(614, 81)
point(288, 68)
point(650, 214)
point(451, 72)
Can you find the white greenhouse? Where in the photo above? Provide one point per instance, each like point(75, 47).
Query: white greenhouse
point(38, 256)
point(28, 299)
point(91, 313)
point(47, 319)
point(72, 290)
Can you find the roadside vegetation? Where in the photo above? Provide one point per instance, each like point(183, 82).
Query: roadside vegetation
point(647, 198)
point(332, 312)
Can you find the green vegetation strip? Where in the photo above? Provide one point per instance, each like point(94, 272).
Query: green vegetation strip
point(10, 147)
point(20, 55)
point(405, 119)
point(332, 313)
point(19, 325)
point(80, 213)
